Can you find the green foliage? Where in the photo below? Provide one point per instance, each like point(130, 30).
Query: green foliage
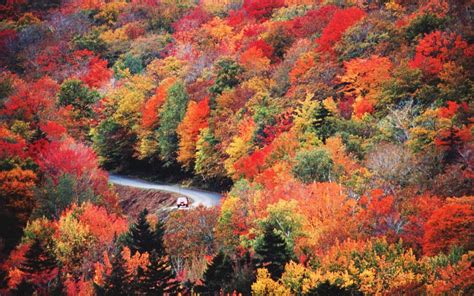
point(6, 88)
point(313, 166)
point(171, 114)
point(158, 278)
point(227, 76)
point(424, 24)
point(272, 252)
point(54, 197)
point(218, 274)
point(407, 85)
point(208, 158)
point(117, 283)
point(288, 13)
point(90, 41)
point(322, 122)
point(128, 61)
point(114, 144)
point(39, 264)
point(141, 238)
point(150, 48)
point(73, 92)
point(366, 38)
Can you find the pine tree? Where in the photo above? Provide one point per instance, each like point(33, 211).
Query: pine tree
point(39, 266)
point(140, 236)
point(322, 125)
point(159, 246)
point(24, 288)
point(117, 283)
point(218, 274)
point(158, 277)
point(273, 252)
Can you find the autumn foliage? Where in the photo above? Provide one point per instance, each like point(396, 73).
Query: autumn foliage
point(338, 135)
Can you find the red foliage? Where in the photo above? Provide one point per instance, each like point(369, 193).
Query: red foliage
point(437, 48)
point(264, 47)
point(53, 130)
point(97, 73)
point(449, 111)
point(134, 30)
point(340, 22)
point(283, 124)
point(235, 18)
point(250, 166)
point(261, 9)
point(419, 209)
point(102, 225)
point(362, 107)
point(192, 20)
point(152, 106)
point(51, 59)
point(312, 22)
point(68, 157)
point(379, 215)
point(450, 225)
point(33, 102)
point(6, 37)
point(11, 145)
point(188, 130)
point(301, 67)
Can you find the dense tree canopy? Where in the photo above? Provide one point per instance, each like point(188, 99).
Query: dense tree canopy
point(339, 134)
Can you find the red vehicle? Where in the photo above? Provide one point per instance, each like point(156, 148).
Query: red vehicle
point(182, 202)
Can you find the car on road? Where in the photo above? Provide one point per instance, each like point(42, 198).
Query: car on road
point(182, 201)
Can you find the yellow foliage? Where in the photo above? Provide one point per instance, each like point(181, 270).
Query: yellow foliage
point(303, 122)
point(73, 238)
point(110, 11)
point(260, 86)
point(114, 36)
point(129, 98)
point(265, 286)
point(298, 278)
point(148, 144)
point(217, 29)
point(168, 67)
point(240, 144)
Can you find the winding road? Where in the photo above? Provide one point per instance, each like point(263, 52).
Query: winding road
point(199, 197)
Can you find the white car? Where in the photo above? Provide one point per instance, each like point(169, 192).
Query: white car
point(182, 202)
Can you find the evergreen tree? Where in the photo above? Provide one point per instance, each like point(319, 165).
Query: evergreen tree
point(24, 288)
point(140, 236)
point(272, 252)
point(73, 92)
point(159, 246)
point(39, 266)
point(58, 287)
point(218, 274)
point(322, 124)
point(117, 283)
point(227, 76)
point(115, 144)
point(171, 115)
point(158, 277)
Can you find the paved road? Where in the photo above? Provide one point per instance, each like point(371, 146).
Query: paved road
point(200, 197)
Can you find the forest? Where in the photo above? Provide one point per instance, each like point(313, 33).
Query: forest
point(339, 133)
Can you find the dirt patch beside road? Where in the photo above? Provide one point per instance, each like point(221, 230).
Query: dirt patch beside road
point(134, 200)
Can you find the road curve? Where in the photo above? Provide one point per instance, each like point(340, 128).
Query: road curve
point(199, 197)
